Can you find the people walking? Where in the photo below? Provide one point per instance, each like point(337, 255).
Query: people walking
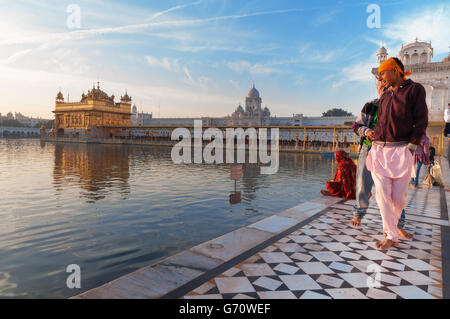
point(402, 121)
point(364, 127)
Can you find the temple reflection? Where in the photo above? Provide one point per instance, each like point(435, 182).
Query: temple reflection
point(96, 169)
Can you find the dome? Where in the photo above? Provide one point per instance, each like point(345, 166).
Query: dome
point(382, 50)
point(253, 93)
point(446, 59)
point(240, 109)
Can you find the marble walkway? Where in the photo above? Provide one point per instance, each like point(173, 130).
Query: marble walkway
point(308, 251)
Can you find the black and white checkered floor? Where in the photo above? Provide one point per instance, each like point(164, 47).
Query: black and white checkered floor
point(328, 258)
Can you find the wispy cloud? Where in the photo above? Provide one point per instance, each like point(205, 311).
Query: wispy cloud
point(255, 68)
point(431, 23)
point(165, 63)
point(161, 13)
point(12, 58)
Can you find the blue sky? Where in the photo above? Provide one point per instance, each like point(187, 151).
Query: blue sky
point(200, 58)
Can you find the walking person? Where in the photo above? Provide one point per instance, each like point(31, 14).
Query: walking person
point(364, 128)
point(421, 157)
point(402, 121)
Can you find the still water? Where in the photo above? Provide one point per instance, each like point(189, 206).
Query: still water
point(112, 209)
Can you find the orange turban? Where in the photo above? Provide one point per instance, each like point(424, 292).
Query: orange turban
point(390, 64)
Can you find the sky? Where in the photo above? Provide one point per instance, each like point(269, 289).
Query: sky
point(200, 58)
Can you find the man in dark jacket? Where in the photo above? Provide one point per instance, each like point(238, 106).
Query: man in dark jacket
point(402, 120)
point(363, 127)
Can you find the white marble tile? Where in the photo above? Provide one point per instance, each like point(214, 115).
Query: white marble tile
point(330, 281)
point(276, 295)
point(312, 268)
point(375, 293)
point(417, 264)
point(389, 279)
point(274, 224)
point(267, 283)
point(313, 295)
point(347, 254)
point(290, 247)
point(258, 269)
point(313, 232)
point(234, 285)
point(366, 266)
point(395, 253)
point(420, 245)
point(373, 254)
point(204, 288)
point(302, 239)
point(231, 272)
point(242, 296)
point(315, 247)
point(323, 239)
point(335, 246)
point(299, 282)
point(415, 278)
point(344, 238)
point(287, 269)
point(326, 256)
point(340, 266)
point(275, 257)
point(345, 293)
point(392, 265)
point(357, 280)
point(411, 292)
point(357, 246)
point(302, 257)
point(232, 244)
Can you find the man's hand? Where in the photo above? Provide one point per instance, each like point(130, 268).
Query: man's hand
point(370, 134)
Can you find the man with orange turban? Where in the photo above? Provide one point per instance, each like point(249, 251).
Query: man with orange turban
point(402, 121)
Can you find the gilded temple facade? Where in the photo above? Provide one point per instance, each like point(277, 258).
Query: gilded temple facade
point(96, 114)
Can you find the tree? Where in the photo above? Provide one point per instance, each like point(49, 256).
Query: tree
point(336, 112)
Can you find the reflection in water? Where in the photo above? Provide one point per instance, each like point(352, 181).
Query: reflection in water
point(96, 168)
point(117, 208)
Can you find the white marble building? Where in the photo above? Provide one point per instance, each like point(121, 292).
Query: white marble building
point(140, 119)
point(434, 76)
point(255, 115)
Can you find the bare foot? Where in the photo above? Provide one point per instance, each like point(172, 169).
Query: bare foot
point(404, 234)
point(356, 221)
point(385, 244)
point(325, 193)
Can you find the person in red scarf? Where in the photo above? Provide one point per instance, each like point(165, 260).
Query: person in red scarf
point(344, 182)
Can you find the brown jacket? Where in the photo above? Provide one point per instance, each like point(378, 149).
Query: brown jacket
point(403, 114)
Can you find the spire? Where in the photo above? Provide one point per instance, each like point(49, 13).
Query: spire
point(98, 85)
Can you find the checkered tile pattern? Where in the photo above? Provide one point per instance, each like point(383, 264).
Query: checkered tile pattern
point(328, 258)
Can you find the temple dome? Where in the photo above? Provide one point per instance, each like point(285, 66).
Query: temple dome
point(253, 93)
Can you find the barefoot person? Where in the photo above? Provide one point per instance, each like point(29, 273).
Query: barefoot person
point(402, 121)
point(343, 184)
point(364, 127)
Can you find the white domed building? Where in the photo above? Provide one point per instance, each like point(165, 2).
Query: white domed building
point(253, 115)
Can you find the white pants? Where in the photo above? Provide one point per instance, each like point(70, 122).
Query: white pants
point(391, 196)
